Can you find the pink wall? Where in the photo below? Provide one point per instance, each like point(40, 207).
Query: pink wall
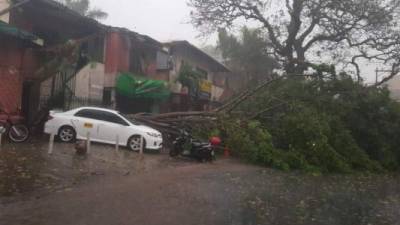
point(10, 75)
point(117, 53)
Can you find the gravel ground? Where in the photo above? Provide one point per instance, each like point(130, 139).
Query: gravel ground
point(123, 188)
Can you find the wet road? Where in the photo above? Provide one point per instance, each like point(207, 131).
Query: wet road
point(27, 169)
point(163, 191)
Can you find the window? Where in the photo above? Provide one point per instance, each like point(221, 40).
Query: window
point(137, 61)
point(102, 116)
point(163, 61)
point(112, 118)
point(96, 49)
point(90, 114)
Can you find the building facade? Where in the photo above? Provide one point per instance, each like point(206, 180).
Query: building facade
point(31, 36)
point(52, 57)
point(213, 85)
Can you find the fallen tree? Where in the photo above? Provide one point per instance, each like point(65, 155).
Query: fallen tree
point(171, 123)
point(319, 124)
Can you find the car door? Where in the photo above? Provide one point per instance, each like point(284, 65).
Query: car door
point(87, 121)
point(112, 126)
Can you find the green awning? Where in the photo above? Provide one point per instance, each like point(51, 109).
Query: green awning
point(132, 86)
point(10, 30)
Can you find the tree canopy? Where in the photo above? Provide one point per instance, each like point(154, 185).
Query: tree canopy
point(331, 125)
point(249, 54)
point(303, 31)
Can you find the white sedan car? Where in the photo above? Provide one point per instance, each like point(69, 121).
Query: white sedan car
point(104, 126)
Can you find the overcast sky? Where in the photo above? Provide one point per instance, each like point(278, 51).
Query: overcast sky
point(163, 20)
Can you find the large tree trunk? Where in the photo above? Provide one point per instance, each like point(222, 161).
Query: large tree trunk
point(296, 66)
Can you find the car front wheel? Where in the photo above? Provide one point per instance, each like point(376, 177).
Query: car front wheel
point(67, 134)
point(134, 143)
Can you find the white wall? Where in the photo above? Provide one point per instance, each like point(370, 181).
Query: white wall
point(90, 82)
point(3, 5)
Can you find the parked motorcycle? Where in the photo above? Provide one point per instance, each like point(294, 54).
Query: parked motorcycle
point(13, 126)
point(186, 145)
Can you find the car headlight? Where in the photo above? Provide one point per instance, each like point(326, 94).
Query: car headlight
point(151, 134)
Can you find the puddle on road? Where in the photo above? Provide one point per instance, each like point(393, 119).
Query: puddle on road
point(25, 168)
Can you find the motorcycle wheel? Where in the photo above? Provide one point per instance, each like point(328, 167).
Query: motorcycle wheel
point(18, 133)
